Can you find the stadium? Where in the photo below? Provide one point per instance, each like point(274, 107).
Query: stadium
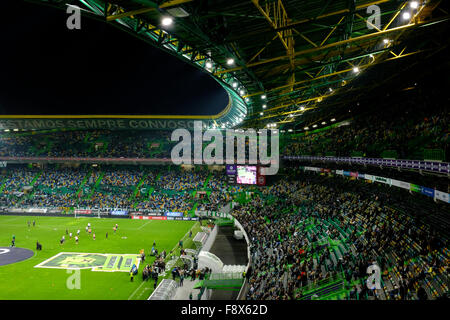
point(321, 172)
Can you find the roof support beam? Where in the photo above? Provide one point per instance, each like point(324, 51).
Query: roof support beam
point(317, 77)
point(260, 51)
point(395, 15)
point(331, 32)
point(276, 15)
point(299, 101)
point(167, 4)
point(339, 43)
point(339, 12)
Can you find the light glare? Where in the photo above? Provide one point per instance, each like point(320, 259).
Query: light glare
point(167, 21)
point(414, 4)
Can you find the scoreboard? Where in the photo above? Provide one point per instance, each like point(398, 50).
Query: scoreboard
point(248, 175)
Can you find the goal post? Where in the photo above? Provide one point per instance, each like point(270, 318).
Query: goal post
point(77, 213)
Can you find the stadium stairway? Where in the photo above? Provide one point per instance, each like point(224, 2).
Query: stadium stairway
point(205, 184)
point(323, 289)
point(192, 211)
point(222, 281)
point(91, 146)
point(150, 191)
point(137, 188)
point(153, 151)
point(97, 183)
point(48, 147)
point(140, 197)
point(3, 185)
point(223, 222)
point(87, 136)
point(77, 194)
point(36, 177)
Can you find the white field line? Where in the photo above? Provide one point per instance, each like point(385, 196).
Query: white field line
point(183, 239)
point(134, 292)
point(144, 224)
point(51, 258)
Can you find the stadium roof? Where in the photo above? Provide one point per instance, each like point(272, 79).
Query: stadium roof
point(280, 59)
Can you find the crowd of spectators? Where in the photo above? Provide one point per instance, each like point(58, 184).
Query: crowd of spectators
point(214, 201)
point(131, 188)
point(182, 181)
point(165, 202)
point(17, 179)
point(157, 189)
point(15, 145)
point(406, 126)
point(304, 229)
point(87, 143)
point(294, 240)
point(55, 188)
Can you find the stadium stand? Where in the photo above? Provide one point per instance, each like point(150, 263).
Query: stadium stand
point(320, 235)
point(411, 126)
point(414, 127)
point(130, 188)
point(312, 234)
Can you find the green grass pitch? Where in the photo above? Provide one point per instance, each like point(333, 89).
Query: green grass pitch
point(25, 282)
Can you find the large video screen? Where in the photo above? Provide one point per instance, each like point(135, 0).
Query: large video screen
point(246, 175)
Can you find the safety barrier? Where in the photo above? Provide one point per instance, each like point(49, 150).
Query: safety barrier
point(433, 166)
point(429, 192)
point(165, 290)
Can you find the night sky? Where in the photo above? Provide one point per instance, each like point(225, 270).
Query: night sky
point(47, 69)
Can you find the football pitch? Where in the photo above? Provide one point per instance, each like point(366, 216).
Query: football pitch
point(103, 263)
